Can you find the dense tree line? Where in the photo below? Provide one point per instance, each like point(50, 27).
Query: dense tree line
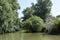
point(38, 18)
point(42, 10)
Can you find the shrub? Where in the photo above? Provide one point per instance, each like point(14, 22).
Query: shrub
point(34, 24)
point(56, 27)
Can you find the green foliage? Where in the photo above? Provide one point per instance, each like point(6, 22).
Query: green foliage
point(41, 9)
point(8, 15)
point(28, 12)
point(56, 26)
point(57, 22)
point(33, 24)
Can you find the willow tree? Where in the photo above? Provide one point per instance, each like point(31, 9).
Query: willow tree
point(8, 15)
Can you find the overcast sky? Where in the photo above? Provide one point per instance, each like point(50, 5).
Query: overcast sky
point(27, 3)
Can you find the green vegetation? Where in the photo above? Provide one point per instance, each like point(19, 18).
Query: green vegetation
point(8, 16)
point(41, 9)
point(34, 24)
point(55, 28)
point(36, 18)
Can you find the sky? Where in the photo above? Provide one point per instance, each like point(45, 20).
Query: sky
point(27, 3)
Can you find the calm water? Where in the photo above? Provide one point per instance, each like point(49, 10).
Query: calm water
point(28, 36)
point(10, 36)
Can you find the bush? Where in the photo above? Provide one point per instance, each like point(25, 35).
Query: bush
point(34, 24)
point(57, 24)
point(56, 27)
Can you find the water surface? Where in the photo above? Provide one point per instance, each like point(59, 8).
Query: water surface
point(10, 36)
point(28, 36)
point(39, 36)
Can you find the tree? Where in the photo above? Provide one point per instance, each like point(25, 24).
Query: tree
point(8, 15)
point(28, 12)
point(57, 24)
point(41, 9)
point(58, 16)
point(56, 27)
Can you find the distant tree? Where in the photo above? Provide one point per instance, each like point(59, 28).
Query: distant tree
point(28, 12)
point(58, 16)
point(41, 9)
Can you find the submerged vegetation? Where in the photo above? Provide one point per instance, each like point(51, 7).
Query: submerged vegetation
point(37, 18)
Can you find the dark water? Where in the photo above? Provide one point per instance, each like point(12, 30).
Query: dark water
point(28, 36)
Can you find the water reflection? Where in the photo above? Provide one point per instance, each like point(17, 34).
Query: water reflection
point(10, 36)
point(38, 36)
point(28, 36)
